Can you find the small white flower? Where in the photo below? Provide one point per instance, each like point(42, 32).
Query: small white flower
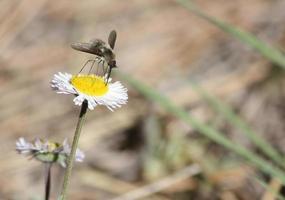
point(91, 88)
point(47, 151)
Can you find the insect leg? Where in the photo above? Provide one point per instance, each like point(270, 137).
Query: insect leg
point(101, 62)
point(108, 74)
point(85, 65)
point(97, 59)
point(91, 66)
point(104, 68)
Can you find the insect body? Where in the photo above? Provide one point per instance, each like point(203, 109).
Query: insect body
point(99, 48)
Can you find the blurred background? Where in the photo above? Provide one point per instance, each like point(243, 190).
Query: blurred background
point(165, 46)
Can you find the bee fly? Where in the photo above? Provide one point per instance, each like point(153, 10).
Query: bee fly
point(104, 54)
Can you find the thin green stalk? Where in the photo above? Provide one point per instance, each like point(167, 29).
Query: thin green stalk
point(273, 54)
point(233, 118)
point(205, 129)
point(48, 180)
point(71, 157)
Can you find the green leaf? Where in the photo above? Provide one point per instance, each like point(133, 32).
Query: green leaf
point(234, 119)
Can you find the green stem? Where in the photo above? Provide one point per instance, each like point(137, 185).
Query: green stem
point(71, 157)
point(48, 181)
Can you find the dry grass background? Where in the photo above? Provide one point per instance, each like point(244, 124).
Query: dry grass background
point(161, 44)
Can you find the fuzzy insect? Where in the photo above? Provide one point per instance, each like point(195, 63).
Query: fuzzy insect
point(99, 48)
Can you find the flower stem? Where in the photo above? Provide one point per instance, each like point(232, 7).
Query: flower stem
point(48, 181)
point(71, 157)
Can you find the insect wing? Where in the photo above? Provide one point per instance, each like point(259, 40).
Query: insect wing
point(112, 38)
point(86, 47)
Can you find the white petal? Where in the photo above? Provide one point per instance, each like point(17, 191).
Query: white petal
point(23, 147)
point(79, 155)
point(78, 100)
point(61, 83)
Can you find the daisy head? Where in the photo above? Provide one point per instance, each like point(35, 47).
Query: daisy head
point(91, 88)
point(47, 151)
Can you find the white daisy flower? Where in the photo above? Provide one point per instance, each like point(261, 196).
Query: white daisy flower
point(47, 151)
point(92, 88)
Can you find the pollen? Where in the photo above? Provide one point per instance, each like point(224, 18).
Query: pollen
point(91, 85)
point(52, 146)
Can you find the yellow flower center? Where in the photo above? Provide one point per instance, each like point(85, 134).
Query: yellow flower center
point(91, 85)
point(52, 146)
